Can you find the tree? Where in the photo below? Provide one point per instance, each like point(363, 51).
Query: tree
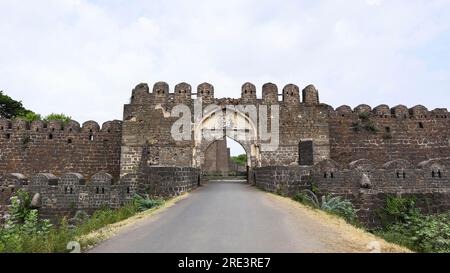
point(10, 108)
point(240, 159)
point(62, 117)
point(31, 116)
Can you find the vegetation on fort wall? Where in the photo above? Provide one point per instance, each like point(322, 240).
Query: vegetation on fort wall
point(24, 232)
point(61, 117)
point(31, 116)
point(364, 124)
point(404, 224)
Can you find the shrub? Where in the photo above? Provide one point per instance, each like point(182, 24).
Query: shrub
point(61, 117)
point(339, 206)
point(20, 207)
point(370, 127)
point(336, 205)
point(364, 123)
point(25, 232)
point(30, 116)
point(397, 210)
point(364, 116)
point(145, 203)
point(404, 224)
point(308, 198)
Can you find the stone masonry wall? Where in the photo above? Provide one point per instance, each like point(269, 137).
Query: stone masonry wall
point(71, 192)
point(148, 123)
point(53, 148)
point(282, 179)
point(366, 183)
point(382, 134)
point(168, 181)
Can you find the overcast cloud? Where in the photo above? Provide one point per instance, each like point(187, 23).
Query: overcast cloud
point(83, 57)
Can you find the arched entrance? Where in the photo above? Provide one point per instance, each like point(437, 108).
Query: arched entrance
point(218, 124)
point(227, 158)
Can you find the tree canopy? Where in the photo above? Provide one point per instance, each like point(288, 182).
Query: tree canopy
point(10, 109)
point(240, 159)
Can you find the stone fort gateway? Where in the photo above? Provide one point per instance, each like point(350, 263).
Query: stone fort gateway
point(165, 146)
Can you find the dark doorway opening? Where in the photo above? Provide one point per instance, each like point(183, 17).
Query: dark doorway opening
point(306, 153)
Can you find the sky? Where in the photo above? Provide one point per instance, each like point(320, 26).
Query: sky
point(83, 57)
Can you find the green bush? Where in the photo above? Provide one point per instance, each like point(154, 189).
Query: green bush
point(339, 206)
point(336, 205)
point(145, 203)
point(25, 232)
point(61, 117)
point(404, 224)
point(30, 116)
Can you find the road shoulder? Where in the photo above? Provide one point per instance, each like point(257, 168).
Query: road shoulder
point(95, 238)
point(346, 238)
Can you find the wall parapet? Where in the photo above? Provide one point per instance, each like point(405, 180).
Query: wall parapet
point(54, 147)
point(366, 183)
point(66, 194)
point(383, 111)
point(182, 93)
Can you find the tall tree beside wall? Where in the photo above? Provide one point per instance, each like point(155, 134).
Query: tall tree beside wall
point(10, 108)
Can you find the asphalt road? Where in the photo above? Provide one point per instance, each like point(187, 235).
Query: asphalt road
point(225, 217)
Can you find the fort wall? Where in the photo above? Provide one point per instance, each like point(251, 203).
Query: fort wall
point(52, 147)
point(86, 167)
point(366, 183)
point(383, 134)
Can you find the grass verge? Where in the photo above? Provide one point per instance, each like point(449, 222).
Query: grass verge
point(25, 232)
point(91, 239)
point(352, 238)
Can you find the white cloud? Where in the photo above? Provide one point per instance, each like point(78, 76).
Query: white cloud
point(84, 57)
point(373, 2)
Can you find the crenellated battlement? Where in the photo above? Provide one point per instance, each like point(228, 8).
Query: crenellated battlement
point(414, 133)
point(58, 196)
point(384, 111)
point(59, 147)
point(182, 93)
point(64, 195)
point(56, 125)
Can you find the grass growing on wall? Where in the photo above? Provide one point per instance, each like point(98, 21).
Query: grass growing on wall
point(24, 232)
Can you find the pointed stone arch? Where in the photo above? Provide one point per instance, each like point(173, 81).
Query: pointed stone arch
point(226, 122)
